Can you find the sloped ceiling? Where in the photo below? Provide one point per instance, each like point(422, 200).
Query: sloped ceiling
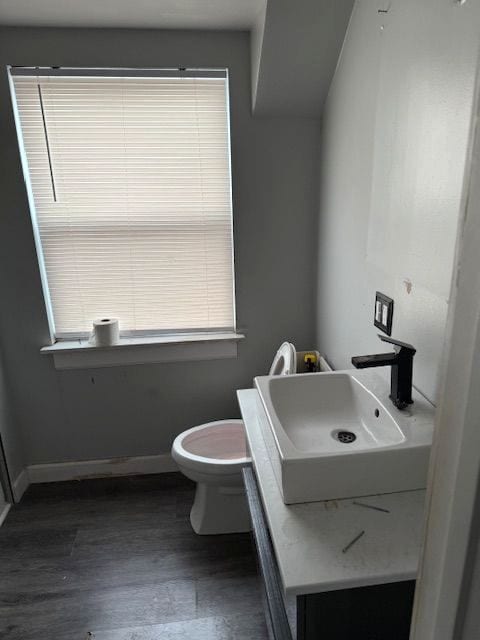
point(295, 49)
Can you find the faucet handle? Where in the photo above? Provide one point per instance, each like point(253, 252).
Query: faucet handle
point(397, 343)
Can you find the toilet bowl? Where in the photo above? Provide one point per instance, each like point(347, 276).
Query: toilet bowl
point(212, 455)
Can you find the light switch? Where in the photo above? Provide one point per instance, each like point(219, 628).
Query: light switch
point(383, 317)
point(384, 314)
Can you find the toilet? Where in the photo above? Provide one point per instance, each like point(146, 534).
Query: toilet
point(212, 455)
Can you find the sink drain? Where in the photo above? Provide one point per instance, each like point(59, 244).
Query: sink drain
point(346, 437)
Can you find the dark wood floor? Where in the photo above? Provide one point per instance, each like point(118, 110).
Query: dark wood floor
point(116, 559)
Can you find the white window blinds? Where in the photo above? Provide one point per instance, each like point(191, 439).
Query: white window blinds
point(130, 181)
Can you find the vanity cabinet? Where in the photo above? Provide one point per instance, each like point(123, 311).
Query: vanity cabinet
point(380, 612)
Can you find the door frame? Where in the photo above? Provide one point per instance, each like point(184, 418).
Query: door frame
point(453, 494)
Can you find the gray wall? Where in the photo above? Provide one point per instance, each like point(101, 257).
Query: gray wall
point(295, 48)
point(137, 410)
point(394, 144)
point(9, 432)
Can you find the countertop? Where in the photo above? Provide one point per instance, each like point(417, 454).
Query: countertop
point(309, 538)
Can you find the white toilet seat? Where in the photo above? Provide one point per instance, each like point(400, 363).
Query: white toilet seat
point(226, 442)
point(285, 360)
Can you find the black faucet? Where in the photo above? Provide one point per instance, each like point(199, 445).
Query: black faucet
point(401, 362)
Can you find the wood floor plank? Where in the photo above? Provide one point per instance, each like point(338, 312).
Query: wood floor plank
point(213, 628)
point(39, 615)
point(218, 596)
point(118, 556)
point(30, 544)
point(82, 573)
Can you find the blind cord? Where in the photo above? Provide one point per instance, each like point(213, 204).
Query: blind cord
point(47, 143)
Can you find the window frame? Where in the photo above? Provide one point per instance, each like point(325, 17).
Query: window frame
point(76, 342)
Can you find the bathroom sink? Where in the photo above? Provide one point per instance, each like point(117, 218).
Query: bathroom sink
point(337, 435)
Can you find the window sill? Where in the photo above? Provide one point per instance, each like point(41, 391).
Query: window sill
point(79, 354)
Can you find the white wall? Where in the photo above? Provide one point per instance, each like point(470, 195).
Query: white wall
point(394, 143)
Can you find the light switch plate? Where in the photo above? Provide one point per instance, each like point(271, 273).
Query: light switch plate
point(383, 316)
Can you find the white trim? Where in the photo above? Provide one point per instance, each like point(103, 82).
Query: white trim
point(4, 509)
point(20, 485)
point(79, 354)
point(110, 467)
point(230, 187)
point(35, 74)
point(33, 216)
point(113, 72)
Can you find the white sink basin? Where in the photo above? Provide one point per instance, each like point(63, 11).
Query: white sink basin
point(337, 435)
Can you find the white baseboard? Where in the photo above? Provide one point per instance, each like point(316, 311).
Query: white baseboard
point(83, 469)
point(20, 485)
point(4, 509)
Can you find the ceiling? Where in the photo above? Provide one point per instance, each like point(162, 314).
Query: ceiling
point(295, 44)
point(166, 14)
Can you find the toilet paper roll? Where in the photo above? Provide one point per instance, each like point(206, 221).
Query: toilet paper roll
point(105, 332)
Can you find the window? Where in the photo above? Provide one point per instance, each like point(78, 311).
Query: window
point(130, 192)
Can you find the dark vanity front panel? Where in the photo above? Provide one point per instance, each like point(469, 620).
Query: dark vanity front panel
point(380, 612)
